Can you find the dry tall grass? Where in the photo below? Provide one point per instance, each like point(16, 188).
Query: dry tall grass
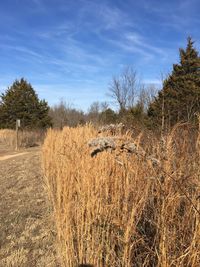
point(26, 138)
point(120, 210)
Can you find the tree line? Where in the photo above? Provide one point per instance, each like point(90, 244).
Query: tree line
point(178, 100)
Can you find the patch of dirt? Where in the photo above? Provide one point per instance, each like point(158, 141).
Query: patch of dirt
point(4, 149)
point(11, 156)
point(27, 236)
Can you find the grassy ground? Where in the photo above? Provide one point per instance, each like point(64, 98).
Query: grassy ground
point(27, 237)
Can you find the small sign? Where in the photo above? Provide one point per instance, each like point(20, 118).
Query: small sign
point(18, 123)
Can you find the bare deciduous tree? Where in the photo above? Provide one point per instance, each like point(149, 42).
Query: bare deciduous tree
point(123, 88)
point(64, 114)
point(146, 95)
point(95, 109)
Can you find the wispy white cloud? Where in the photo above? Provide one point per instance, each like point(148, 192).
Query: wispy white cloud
point(61, 30)
point(83, 96)
point(179, 15)
point(132, 49)
point(141, 42)
point(102, 16)
point(105, 18)
point(75, 59)
point(135, 44)
point(112, 17)
point(82, 43)
point(23, 50)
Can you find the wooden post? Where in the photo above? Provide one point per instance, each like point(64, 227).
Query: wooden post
point(17, 134)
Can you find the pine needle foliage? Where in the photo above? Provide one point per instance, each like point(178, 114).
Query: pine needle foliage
point(179, 100)
point(20, 101)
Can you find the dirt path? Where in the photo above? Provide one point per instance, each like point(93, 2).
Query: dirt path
point(27, 236)
point(11, 156)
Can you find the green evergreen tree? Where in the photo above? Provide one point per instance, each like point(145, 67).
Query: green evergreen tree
point(20, 101)
point(179, 100)
point(108, 116)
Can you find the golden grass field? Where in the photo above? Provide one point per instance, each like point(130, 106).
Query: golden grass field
point(115, 209)
point(119, 209)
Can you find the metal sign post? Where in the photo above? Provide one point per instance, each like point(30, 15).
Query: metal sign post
point(17, 133)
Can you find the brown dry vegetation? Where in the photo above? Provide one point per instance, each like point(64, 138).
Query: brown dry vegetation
point(27, 235)
point(25, 138)
point(118, 209)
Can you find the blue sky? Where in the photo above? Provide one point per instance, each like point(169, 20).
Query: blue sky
point(71, 49)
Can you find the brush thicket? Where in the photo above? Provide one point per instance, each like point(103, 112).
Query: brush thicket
point(25, 138)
